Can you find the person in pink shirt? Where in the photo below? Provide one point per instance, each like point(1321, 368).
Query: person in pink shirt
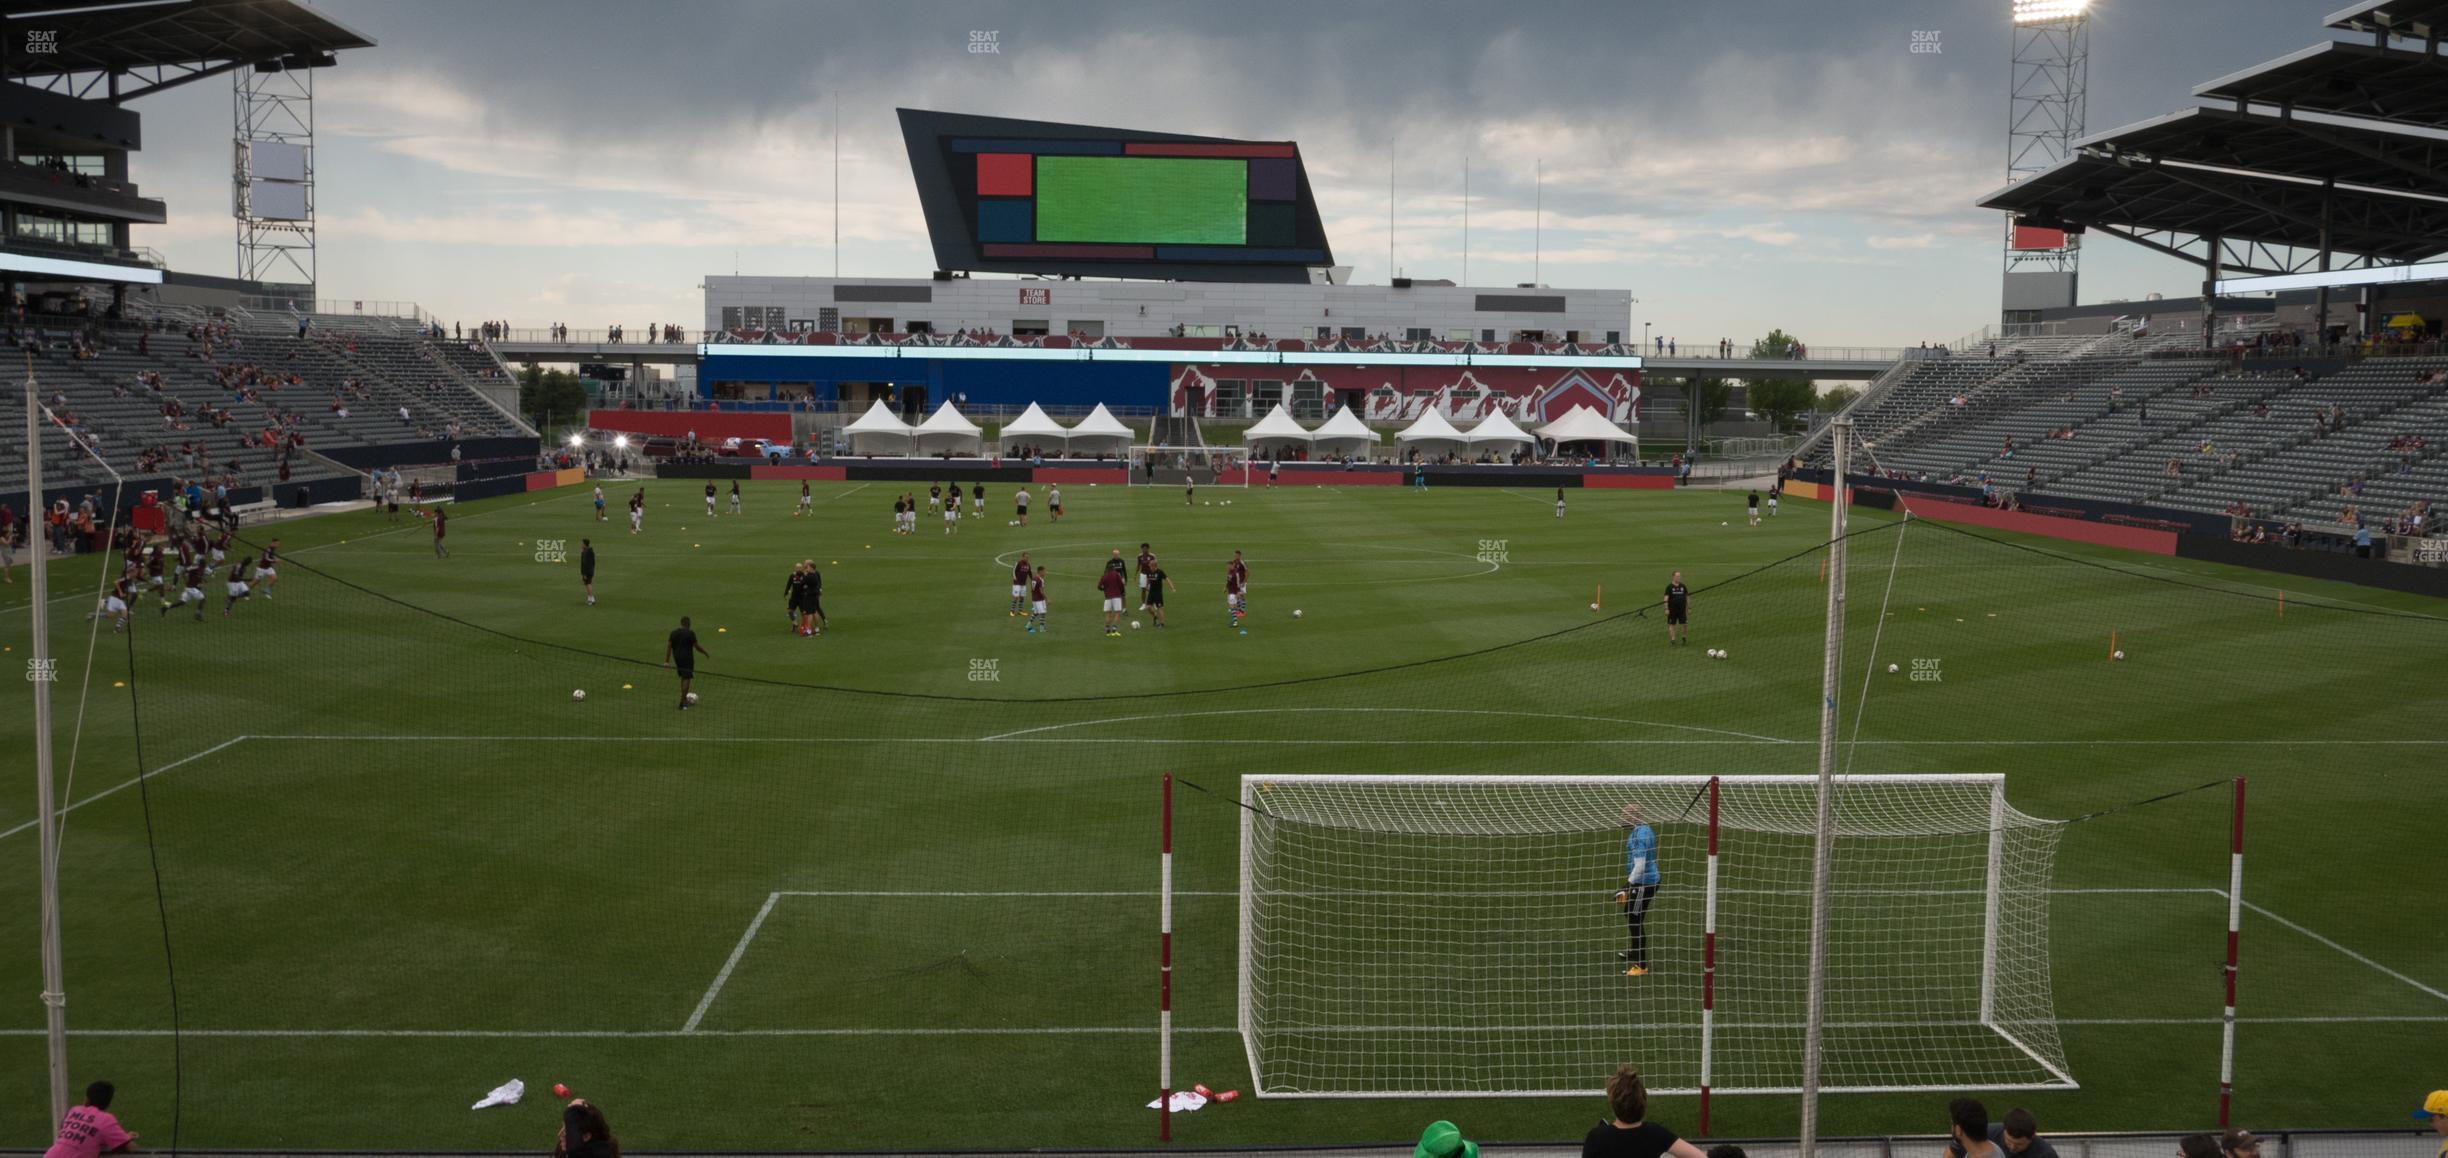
point(90, 1130)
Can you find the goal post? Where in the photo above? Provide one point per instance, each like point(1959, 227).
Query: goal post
point(1224, 466)
point(1460, 936)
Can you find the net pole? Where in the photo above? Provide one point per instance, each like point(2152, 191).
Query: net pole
point(46, 816)
point(1814, 1020)
point(1708, 964)
point(1164, 970)
point(2235, 915)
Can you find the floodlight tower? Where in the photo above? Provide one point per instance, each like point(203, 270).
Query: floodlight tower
point(2046, 98)
point(272, 177)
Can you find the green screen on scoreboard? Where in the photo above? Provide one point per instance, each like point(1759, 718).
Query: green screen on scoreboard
point(1149, 200)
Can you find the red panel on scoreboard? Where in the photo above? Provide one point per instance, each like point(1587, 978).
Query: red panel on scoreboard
point(2034, 237)
point(1006, 174)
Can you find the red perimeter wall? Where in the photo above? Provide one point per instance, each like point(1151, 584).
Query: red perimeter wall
point(2073, 530)
point(710, 427)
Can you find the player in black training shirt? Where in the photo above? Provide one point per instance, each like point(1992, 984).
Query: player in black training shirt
point(680, 652)
point(586, 568)
point(812, 619)
point(1157, 582)
point(790, 595)
point(1678, 610)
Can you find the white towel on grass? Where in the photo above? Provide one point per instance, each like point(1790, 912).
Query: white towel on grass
point(1184, 1101)
point(506, 1094)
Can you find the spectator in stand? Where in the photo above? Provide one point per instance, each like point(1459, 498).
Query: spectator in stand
point(1443, 1139)
point(2018, 1135)
point(2239, 1144)
point(2197, 1146)
point(1629, 1134)
point(584, 1133)
point(1968, 1126)
point(90, 1130)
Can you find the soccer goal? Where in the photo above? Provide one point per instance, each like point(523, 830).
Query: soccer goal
point(1458, 936)
point(1221, 466)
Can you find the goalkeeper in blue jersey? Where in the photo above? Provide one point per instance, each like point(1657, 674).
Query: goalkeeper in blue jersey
point(1639, 889)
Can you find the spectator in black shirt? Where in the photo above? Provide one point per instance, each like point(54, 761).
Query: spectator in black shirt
point(1630, 1134)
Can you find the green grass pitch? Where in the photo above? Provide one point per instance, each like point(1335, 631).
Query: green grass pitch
point(401, 865)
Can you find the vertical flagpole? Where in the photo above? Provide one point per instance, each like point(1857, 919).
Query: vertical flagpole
point(1708, 966)
point(837, 183)
point(46, 814)
point(1538, 213)
point(2235, 915)
point(1465, 219)
point(1164, 972)
point(1814, 1020)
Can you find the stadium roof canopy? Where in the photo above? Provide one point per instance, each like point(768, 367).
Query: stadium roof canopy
point(2359, 80)
point(2090, 190)
point(2367, 154)
point(2420, 19)
point(128, 49)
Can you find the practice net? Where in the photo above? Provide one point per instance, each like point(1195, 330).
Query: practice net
point(1456, 936)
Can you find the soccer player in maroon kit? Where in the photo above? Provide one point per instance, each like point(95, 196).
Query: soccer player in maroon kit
point(192, 574)
point(440, 518)
point(267, 575)
point(1232, 592)
point(237, 585)
point(1240, 571)
point(1020, 587)
point(115, 605)
point(1147, 564)
point(1109, 584)
point(1037, 601)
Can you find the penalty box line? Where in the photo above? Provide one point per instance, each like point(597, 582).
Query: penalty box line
point(756, 924)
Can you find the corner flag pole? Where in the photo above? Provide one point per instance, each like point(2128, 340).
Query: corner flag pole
point(2235, 914)
point(1164, 972)
point(1814, 1021)
point(46, 815)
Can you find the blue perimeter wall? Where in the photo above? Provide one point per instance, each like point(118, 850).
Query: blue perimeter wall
point(1013, 383)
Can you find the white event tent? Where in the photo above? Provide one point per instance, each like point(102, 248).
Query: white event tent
point(879, 432)
point(1277, 427)
point(947, 430)
point(1497, 429)
point(1431, 433)
point(1102, 431)
point(1583, 424)
point(1346, 432)
point(1033, 427)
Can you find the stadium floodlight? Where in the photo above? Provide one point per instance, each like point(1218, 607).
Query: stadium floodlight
point(2049, 11)
point(577, 440)
point(620, 442)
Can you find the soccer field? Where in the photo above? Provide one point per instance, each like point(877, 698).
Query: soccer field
point(895, 886)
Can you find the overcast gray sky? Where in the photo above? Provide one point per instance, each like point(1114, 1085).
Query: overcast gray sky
point(1736, 166)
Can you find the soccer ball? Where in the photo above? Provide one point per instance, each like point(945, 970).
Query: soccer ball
point(1593, 607)
point(692, 697)
point(1296, 613)
point(1712, 653)
point(1892, 669)
point(1011, 522)
point(579, 694)
point(2118, 654)
point(1134, 625)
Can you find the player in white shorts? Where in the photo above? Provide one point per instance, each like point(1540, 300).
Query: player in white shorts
point(735, 496)
point(1772, 504)
point(709, 498)
point(952, 512)
point(267, 569)
point(807, 500)
point(115, 604)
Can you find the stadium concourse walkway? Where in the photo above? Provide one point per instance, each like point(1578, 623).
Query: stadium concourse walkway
point(2157, 1144)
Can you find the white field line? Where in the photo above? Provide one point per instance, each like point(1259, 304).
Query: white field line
point(1024, 736)
point(127, 783)
point(1392, 711)
point(2343, 949)
point(737, 951)
point(1111, 1030)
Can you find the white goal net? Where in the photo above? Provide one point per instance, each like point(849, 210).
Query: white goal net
point(1457, 936)
point(1222, 466)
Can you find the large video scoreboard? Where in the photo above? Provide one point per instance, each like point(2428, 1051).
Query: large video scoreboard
point(1007, 196)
